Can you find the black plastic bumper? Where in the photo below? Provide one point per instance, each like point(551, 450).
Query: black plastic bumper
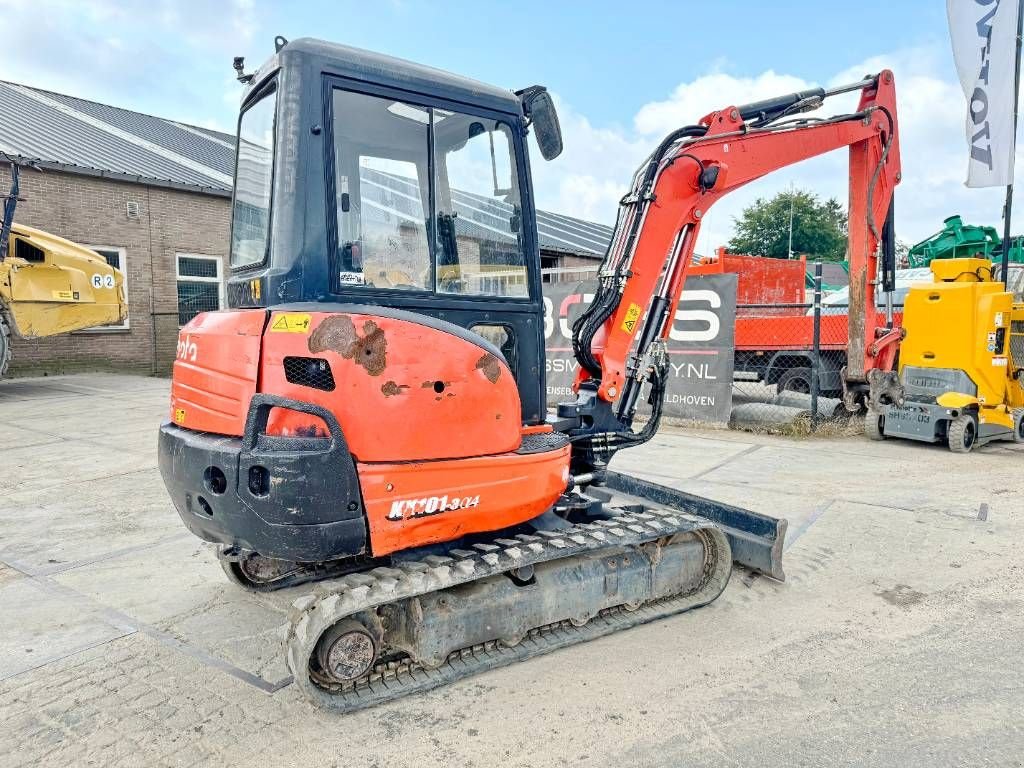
point(291, 498)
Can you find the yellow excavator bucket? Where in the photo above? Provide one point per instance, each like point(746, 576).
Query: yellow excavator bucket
point(49, 285)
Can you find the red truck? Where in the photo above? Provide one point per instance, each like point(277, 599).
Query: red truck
point(775, 325)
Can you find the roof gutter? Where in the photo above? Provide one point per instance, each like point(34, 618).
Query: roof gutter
point(147, 181)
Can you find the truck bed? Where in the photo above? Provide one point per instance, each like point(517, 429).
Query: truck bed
point(767, 330)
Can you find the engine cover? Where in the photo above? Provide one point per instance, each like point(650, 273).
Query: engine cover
point(403, 386)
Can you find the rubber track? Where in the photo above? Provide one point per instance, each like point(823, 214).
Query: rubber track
point(333, 600)
point(294, 578)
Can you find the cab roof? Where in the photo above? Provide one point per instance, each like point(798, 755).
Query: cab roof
point(370, 67)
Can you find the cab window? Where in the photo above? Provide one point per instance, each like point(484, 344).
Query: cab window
point(478, 211)
point(254, 173)
point(412, 218)
point(381, 193)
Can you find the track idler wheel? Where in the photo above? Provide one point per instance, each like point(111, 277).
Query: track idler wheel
point(346, 651)
point(255, 572)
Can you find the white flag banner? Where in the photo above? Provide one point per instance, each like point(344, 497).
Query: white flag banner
point(984, 35)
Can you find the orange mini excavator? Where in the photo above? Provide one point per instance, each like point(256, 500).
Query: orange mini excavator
point(371, 415)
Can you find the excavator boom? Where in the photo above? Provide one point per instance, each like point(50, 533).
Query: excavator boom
point(619, 340)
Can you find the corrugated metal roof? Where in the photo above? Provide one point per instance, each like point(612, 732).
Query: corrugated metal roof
point(97, 139)
point(37, 126)
point(171, 136)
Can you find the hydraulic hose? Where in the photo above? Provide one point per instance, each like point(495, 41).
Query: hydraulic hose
point(878, 171)
point(606, 297)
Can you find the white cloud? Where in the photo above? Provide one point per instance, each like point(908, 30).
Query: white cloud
point(691, 101)
point(598, 162)
point(157, 58)
point(593, 171)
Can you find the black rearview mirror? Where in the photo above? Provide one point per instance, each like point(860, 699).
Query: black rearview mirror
point(540, 109)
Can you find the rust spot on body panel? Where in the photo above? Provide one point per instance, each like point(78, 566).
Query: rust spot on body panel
point(390, 388)
point(491, 367)
point(338, 334)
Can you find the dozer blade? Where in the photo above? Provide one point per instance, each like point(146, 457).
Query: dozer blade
point(756, 540)
point(367, 638)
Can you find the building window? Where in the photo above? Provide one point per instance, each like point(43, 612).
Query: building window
point(200, 288)
point(115, 257)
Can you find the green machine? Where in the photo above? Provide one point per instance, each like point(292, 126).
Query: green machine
point(958, 240)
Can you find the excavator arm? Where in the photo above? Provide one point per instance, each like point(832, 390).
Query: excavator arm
point(620, 340)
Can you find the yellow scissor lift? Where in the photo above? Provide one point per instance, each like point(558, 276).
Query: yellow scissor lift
point(962, 360)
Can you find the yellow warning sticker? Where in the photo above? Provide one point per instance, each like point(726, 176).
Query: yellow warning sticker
point(290, 322)
point(632, 317)
point(179, 415)
point(65, 295)
point(255, 286)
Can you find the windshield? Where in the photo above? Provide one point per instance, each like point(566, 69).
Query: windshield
point(250, 216)
point(398, 226)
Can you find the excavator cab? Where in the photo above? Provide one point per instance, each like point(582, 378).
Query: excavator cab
point(371, 181)
point(380, 372)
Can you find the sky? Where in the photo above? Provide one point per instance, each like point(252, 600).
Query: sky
point(623, 75)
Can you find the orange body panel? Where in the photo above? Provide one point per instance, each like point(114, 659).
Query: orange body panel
point(216, 370)
point(418, 503)
point(404, 391)
point(431, 418)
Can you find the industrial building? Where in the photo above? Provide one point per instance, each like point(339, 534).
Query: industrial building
point(153, 196)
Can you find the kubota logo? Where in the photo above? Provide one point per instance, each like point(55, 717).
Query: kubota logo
point(187, 349)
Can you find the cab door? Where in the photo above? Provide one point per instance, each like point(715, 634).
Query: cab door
point(427, 212)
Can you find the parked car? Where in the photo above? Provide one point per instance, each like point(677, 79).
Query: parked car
point(838, 302)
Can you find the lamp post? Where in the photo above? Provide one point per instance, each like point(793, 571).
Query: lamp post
point(1008, 205)
point(792, 197)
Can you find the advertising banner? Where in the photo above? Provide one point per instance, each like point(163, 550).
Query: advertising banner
point(984, 36)
point(700, 345)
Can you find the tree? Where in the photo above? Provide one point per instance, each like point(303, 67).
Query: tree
point(819, 229)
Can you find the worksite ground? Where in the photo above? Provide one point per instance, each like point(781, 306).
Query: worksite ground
point(896, 639)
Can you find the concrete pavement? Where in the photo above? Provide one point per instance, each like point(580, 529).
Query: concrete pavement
point(894, 641)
